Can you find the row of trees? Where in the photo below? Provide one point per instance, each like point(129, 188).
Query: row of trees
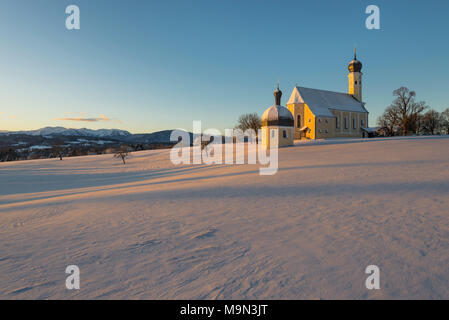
point(407, 116)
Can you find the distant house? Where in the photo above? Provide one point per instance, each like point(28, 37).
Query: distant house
point(321, 114)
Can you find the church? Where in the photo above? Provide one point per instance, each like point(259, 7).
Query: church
point(320, 114)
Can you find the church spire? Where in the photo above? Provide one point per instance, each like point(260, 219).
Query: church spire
point(355, 77)
point(277, 96)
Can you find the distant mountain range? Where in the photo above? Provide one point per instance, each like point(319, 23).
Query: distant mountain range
point(61, 131)
point(110, 134)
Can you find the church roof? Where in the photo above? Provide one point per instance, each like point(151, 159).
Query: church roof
point(320, 101)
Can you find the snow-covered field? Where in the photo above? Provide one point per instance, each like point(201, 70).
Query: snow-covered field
point(152, 230)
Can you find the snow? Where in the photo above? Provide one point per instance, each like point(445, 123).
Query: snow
point(20, 143)
point(103, 142)
point(149, 229)
point(39, 147)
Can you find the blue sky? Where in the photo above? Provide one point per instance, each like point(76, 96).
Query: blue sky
point(145, 66)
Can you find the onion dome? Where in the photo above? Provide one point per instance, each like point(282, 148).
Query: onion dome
point(355, 65)
point(277, 96)
point(277, 116)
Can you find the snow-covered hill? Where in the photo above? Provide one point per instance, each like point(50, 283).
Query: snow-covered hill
point(150, 229)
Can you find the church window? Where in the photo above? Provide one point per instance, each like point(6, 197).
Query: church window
point(298, 121)
point(284, 133)
point(363, 122)
point(354, 123)
point(337, 123)
point(346, 122)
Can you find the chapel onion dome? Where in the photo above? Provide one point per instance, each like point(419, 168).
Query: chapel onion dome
point(355, 65)
point(277, 116)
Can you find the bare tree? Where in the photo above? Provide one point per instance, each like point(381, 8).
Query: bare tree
point(432, 121)
point(8, 154)
point(407, 109)
point(207, 142)
point(445, 120)
point(249, 121)
point(122, 153)
point(389, 121)
point(415, 120)
point(58, 151)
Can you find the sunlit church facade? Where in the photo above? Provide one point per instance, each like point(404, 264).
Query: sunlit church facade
point(319, 114)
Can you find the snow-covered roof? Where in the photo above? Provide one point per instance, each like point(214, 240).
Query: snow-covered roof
point(320, 101)
point(372, 130)
point(277, 115)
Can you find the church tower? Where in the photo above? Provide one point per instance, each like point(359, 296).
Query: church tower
point(355, 78)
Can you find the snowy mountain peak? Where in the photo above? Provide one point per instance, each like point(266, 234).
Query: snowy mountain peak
point(84, 132)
